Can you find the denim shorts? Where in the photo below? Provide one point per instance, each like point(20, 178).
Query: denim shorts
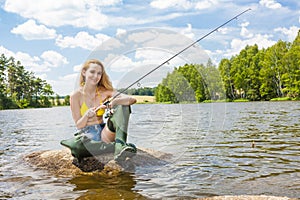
point(93, 131)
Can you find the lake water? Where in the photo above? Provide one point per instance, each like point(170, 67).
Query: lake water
point(218, 149)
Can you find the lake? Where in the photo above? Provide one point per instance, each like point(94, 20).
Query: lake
point(218, 149)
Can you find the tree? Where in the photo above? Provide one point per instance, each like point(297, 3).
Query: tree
point(19, 87)
point(291, 77)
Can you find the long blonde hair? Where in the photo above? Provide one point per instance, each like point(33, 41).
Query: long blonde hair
point(104, 81)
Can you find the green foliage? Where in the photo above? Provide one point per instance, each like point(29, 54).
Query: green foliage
point(67, 100)
point(57, 99)
point(252, 75)
point(144, 91)
point(263, 74)
point(191, 83)
point(20, 88)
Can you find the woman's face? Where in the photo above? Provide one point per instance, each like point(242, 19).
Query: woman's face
point(93, 74)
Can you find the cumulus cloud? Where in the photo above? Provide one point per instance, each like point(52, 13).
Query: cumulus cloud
point(77, 68)
point(263, 41)
point(28, 61)
point(244, 31)
point(31, 31)
point(120, 32)
point(37, 64)
point(290, 33)
point(53, 59)
point(65, 84)
point(183, 4)
point(188, 31)
point(68, 12)
point(82, 39)
point(205, 4)
point(272, 4)
point(161, 4)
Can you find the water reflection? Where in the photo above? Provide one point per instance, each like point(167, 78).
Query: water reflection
point(98, 187)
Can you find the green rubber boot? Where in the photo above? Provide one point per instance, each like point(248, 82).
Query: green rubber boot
point(119, 120)
point(81, 146)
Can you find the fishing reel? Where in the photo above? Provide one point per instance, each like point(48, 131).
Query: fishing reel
point(109, 111)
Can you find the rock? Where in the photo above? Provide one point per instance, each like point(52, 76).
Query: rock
point(61, 162)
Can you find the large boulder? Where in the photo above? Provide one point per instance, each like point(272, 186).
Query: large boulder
point(61, 162)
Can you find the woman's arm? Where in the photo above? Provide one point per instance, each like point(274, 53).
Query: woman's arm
point(80, 121)
point(123, 99)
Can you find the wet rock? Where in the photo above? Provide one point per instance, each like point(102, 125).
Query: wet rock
point(61, 162)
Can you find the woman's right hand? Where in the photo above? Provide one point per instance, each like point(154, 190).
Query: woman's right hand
point(90, 112)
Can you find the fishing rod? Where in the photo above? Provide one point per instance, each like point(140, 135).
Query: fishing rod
point(175, 55)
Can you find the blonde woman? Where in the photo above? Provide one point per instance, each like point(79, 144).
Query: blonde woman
point(88, 109)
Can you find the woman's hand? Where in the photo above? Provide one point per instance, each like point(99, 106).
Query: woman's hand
point(90, 112)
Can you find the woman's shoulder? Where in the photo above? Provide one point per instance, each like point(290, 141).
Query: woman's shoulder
point(77, 94)
point(106, 92)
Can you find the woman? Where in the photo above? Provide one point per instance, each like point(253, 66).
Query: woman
point(88, 109)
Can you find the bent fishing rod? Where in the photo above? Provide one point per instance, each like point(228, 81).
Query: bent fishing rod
point(172, 57)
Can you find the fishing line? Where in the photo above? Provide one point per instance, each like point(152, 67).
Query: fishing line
point(175, 55)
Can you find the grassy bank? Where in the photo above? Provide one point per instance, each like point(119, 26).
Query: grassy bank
point(144, 99)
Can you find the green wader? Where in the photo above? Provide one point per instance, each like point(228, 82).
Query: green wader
point(81, 146)
point(119, 122)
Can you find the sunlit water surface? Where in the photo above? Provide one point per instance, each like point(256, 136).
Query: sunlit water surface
point(218, 149)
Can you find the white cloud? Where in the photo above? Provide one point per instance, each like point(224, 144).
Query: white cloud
point(272, 4)
point(65, 84)
point(183, 4)
point(36, 64)
point(291, 33)
point(77, 68)
point(223, 30)
point(244, 31)
point(205, 4)
point(102, 3)
point(31, 31)
point(54, 59)
point(28, 61)
point(82, 39)
point(120, 32)
point(67, 12)
point(188, 32)
point(162, 4)
point(87, 13)
point(262, 41)
point(6, 52)
point(119, 63)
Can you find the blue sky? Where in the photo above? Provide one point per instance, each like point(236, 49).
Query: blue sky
point(53, 38)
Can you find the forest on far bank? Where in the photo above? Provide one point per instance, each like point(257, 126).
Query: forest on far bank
point(253, 75)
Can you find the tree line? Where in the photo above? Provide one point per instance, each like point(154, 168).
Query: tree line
point(142, 91)
point(253, 74)
point(20, 88)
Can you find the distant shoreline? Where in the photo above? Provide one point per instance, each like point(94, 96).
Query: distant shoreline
point(144, 99)
point(151, 100)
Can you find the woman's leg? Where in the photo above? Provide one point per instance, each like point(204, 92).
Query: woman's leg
point(116, 130)
point(107, 135)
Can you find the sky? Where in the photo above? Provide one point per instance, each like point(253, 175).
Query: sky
point(53, 38)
